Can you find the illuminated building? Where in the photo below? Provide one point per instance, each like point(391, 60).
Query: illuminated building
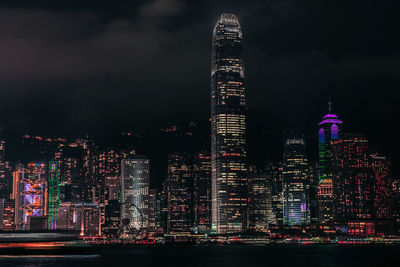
point(89, 181)
point(4, 185)
point(53, 195)
point(352, 181)
point(228, 126)
point(69, 175)
point(112, 184)
point(162, 208)
point(7, 214)
point(395, 203)
point(152, 210)
point(85, 217)
point(179, 189)
point(30, 193)
point(202, 191)
point(382, 190)
point(260, 201)
point(112, 218)
point(295, 174)
point(106, 164)
point(135, 178)
point(330, 129)
point(275, 171)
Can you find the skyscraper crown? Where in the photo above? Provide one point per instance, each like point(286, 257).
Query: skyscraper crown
point(229, 19)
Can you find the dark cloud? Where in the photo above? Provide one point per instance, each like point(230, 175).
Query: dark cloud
point(95, 65)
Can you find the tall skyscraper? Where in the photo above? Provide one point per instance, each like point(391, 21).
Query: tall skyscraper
point(29, 193)
point(4, 183)
point(179, 190)
point(330, 129)
point(228, 126)
point(152, 210)
point(53, 194)
point(382, 186)
point(135, 178)
point(296, 204)
point(275, 172)
point(202, 191)
point(352, 181)
point(260, 200)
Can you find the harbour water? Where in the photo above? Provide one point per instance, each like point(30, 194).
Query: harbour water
point(221, 256)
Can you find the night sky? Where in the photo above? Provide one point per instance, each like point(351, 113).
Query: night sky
point(68, 68)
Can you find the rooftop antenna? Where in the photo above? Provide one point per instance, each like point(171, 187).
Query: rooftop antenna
point(330, 105)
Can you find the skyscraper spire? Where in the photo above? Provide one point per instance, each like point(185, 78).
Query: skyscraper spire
point(330, 105)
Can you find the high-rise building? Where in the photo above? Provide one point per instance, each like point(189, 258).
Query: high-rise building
point(162, 208)
point(228, 126)
point(260, 200)
point(106, 164)
point(29, 192)
point(352, 181)
point(330, 129)
point(274, 170)
point(152, 211)
point(112, 218)
point(7, 214)
point(4, 184)
point(395, 203)
point(295, 174)
point(53, 195)
point(112, 184)
point(202, 191)
point(179, 189)
point(135, 179)
point(382, 186)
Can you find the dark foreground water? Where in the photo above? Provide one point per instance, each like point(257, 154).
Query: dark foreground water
point(297, 256)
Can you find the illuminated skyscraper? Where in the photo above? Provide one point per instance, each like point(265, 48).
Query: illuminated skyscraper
point(179, 190)
point(106, 164)
point(296, 204)
point(29, 192)
point(382, 190)
point(260, 200)
point(54, 194)
point(352, 181)
point(202, 191)
point(135, 178)
point(330, 130)
point(4, 184)
point(228, 126)
point(152, 210)
point(275, 171)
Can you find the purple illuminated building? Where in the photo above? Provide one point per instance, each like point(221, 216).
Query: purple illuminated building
point(330, 129)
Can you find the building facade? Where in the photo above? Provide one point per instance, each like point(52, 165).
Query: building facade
point(228, 126)
point(260, 200)
point(330, 129)
point(295, 175)
point(135, 179)
point(179, 190)
point(202, 191)
point(382, 186)
point(352, 181)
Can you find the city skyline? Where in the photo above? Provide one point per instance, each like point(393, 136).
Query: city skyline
point(292, 67)
point(264, 170)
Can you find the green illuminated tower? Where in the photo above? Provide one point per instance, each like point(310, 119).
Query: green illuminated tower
point(54, 195)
